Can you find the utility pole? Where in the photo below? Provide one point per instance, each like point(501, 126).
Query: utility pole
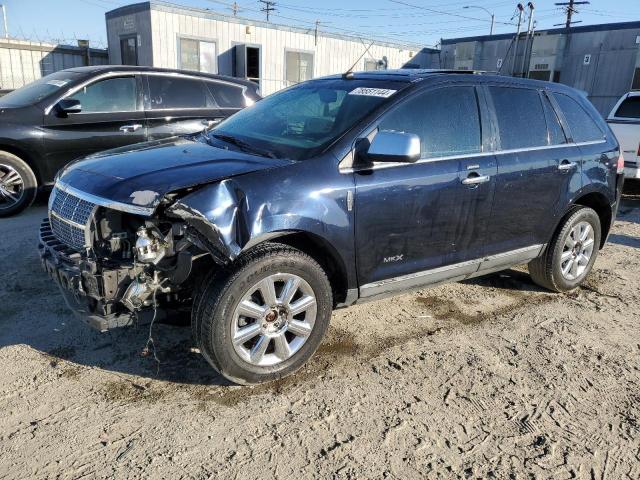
point(316, 33)
point(234, 8)
point(4, 18)
point(269, 6)
point(515, 51)
point(530, 37)
point(570, 9)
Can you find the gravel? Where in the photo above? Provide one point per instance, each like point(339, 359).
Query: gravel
point(488, 378)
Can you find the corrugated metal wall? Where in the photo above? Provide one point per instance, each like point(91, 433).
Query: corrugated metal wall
point(160, 27)
point(22, 61)
point(599, 61)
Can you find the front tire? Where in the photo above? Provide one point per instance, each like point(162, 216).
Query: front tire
point(266, 316)
point(18, 185)
point(570, 255)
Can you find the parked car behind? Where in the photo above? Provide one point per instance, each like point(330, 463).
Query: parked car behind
point(624, 120)
point(73, 113)
point(332, 192)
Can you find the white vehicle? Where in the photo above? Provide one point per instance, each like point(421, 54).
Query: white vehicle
point(624, 120)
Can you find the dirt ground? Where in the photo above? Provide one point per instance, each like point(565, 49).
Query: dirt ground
point(489, 378)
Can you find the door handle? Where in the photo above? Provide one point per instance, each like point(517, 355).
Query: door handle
point(566, 165)
point(476, 179)
point(130, 128)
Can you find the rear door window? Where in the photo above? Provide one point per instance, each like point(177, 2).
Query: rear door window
point(629, 108)
point(226, 95)
point(446, 120)
point(172, 92)
point(520, 117)
point(583, 127)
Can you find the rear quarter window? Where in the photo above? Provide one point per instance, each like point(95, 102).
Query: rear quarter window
point(583, 126)
point(227, 96)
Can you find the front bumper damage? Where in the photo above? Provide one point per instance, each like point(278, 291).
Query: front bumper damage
point(92, 290)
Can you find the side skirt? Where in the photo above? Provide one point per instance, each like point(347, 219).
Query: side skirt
point(450, 273)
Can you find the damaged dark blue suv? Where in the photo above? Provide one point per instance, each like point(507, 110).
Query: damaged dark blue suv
point(332, 192)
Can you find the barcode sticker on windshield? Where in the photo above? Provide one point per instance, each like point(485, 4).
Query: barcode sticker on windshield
point(373, 92)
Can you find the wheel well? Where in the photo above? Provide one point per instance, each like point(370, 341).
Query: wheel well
point(25, 157)
point(323, 253)
point(599, 203)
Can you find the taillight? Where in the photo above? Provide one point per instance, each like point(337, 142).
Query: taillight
point(620, 168)
point(638, 150)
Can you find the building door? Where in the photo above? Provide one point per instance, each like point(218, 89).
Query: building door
point(129, 50)
point(248, 62)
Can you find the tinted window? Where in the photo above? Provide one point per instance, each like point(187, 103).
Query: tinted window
point(521, 120)
point(556, 134)
point(110, 95)
point(178, 92)
point(630, 108)
point(227, 95)
point(446, 120)
point(583, 127)
point(36, 91)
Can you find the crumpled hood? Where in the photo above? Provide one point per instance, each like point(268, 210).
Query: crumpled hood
point(141, 174)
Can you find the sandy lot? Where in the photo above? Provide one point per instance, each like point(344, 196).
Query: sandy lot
point(490, 378)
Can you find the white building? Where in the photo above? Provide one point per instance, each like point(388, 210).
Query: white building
point(161, 34)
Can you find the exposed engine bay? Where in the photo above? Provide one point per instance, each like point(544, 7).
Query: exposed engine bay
point(132, 265)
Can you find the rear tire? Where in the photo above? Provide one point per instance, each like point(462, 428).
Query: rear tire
point(265, 316)
point(570, 255)
point(18, 185)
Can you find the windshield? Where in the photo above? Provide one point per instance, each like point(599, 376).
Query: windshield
point(36, 91)
point(301, 121)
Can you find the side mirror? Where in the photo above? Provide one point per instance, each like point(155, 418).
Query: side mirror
point(69, 105)
point(392, 146)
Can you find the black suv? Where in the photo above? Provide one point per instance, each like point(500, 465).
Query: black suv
point(335, 191)
point(76, 112)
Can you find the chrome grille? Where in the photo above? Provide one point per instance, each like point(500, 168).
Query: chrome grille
point(69, 216)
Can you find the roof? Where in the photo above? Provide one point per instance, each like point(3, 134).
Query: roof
point(213, 15)
point(601, 27)
point(131, 68)
point(404, 74)
point(437, 75)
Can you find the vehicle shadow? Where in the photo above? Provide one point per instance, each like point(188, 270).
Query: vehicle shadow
point(514, 280)
point(624, 240)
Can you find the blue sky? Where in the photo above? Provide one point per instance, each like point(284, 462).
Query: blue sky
point(417, 21)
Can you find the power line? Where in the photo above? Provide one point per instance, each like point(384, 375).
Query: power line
point(269, 6)
point(570, 10)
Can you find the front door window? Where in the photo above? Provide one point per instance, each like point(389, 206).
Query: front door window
point(109, 95)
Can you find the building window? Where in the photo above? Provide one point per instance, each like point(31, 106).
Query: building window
point(197, 55)
point(298, 66)
point(371, 64)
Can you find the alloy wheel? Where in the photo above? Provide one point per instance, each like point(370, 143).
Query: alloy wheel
point(274, 319)
point(577, 251)
point(11, 186)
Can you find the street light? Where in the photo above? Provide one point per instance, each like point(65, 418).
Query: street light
point(493, 17)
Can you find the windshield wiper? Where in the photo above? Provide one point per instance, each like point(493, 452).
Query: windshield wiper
point(244, 146)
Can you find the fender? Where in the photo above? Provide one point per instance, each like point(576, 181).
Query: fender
point(236, 214)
